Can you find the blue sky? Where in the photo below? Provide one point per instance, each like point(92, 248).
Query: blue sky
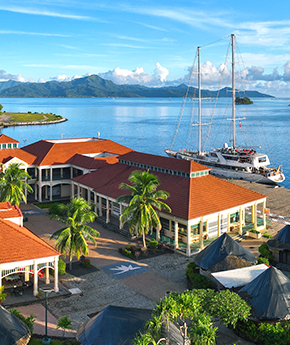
point(152, 43)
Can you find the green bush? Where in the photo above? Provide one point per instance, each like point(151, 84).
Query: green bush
point(265, 333)
point(197, 280)
point(265, 252)
point(254, 231)
point(127, 253)
point(267, 235)
point(153, 244)
point(86, 263)
point(262, 260)
point(29, 321)
point(61, 267)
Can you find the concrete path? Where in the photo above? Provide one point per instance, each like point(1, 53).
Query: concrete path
point(118, 281)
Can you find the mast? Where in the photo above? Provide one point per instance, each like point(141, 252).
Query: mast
point(233, 91)
point(199, 102)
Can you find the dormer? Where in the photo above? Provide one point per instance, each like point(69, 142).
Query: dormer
point(8, 143)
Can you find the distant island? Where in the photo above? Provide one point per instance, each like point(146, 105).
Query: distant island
point(25, 119)
point(95, 86)
point(243, 100)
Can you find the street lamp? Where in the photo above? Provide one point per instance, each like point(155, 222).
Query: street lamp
point(46, 340)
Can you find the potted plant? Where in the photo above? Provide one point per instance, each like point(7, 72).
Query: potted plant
point(40, 293)
point(254, 233)
point(2, 294)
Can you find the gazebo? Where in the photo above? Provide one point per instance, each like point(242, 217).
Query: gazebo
point(24, 254)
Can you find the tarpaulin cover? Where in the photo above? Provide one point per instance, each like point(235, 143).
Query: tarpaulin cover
point(219, 249)
point(12, 330)
point(269, 295)
point(113, 326)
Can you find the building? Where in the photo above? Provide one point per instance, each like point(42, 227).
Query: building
point(203, 206)
point(23, 254)
point(53, 163)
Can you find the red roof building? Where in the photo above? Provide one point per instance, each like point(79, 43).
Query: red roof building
point(23, 253)
point(203, 206)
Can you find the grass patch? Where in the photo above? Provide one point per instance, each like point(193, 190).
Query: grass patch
point(30, 117)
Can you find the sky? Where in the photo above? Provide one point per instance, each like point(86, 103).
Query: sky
point(151, 43)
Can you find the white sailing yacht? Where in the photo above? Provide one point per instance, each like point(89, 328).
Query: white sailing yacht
point(243, 163)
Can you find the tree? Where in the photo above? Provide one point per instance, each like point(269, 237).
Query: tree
point(13, 185)
point(143, 202)
point(192, 311)
point(64, 323)
point(1, 107)
point(73, 239)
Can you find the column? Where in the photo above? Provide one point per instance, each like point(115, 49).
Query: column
point(0, 276)
point(255, 216)
point(219, 225)
point(107, 211)
point(176, 234)
point(46, 194)
point(56, 289)
point(188, 240)
point(35, 279)
point(26, 274)
point(229, 221)
point(95, 202)
point(252, 213)
point(264, 214)
point(120, 225)
point(47, 273)
point(50, 194)
point(40, 193)
point(241, 221)
point(201, 234)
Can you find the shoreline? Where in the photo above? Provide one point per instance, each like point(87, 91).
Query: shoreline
point(33, 123)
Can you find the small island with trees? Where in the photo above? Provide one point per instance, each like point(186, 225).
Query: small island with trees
point(8, 119)
point(243, 100)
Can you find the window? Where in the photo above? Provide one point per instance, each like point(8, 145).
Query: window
point(194, 229)
point(3, 146)
point(14, 146)
point(9, 146)
point(234, 217)
point(164, 223)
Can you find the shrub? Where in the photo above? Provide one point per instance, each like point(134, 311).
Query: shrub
point(153, 244)
point(29, 321)
point(265, 333)
point(262, 260)
point(61, 267)
point(254, 231)
point(86, 263)
point(265, 252)
point(127, 253)
point(197, 280)
point(267, 235)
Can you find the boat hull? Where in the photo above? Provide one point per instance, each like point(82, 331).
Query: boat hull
point(229, 173)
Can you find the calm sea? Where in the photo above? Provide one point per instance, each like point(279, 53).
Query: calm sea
point(149, 125)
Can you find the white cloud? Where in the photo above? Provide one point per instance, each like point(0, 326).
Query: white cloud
point(63, 77)
point(18, 77)
point(137, 76)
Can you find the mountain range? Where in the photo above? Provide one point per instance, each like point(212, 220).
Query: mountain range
point(95, 86)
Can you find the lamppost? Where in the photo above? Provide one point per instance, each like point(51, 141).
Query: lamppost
point(46, 340)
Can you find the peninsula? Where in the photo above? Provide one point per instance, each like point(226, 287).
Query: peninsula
point(9, 119)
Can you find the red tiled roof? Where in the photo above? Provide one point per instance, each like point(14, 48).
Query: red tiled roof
point(4, 139)
point(189, 197)
point(170, 163)
point(90, 162)
point(19, 244)
point(7, 154)
point(9, 211)
point(54, 152)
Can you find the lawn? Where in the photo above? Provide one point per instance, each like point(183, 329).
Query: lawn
point(28, 117)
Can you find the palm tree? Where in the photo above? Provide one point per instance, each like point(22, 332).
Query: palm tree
point(73, 239)
point(12, 185)
point(143, 202)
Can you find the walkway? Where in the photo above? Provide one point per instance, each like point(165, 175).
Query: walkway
point(118, 281)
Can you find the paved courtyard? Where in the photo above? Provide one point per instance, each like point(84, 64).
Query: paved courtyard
point(118, 281)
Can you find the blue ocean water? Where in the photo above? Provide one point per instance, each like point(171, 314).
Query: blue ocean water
point(149, 125)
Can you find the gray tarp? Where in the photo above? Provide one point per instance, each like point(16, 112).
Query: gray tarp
point(12, 330)
point(113, 326)
point(219, 249)
point(269, 295)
